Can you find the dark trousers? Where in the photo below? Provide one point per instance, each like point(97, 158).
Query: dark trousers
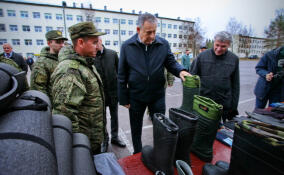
point(273, 96)
point(136, 113)
point(113, 109)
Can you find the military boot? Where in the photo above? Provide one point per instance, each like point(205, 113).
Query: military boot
point(160, 157)
point(187, 123)
point(190, 88)
point(183, 168)
point(209, 116)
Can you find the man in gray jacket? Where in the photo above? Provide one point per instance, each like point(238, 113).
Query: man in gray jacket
point(218, 69)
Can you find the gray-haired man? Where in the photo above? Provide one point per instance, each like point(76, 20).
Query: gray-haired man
point(218, 69)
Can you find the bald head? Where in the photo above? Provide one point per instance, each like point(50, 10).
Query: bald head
point(7, 48)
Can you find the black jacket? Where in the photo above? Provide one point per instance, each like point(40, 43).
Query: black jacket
point(219, 76)
point(19, 60)
point(106, 64)
point(141, 70)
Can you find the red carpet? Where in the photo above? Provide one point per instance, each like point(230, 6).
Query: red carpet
point(132, 165)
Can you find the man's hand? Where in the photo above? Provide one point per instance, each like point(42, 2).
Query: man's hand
point(269, 76)
point(183, 73)
point(127, 106)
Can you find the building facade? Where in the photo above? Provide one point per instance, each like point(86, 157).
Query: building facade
point(246, 46)
point(24, 25)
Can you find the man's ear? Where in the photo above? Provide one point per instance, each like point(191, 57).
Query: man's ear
point(138, 29)
point(80, 42)
point(48, 42)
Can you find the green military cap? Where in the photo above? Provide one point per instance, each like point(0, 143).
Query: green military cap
point(84, 29)
point(54, 35)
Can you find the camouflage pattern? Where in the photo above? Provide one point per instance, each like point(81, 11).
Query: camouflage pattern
point(42, 70)
point(54, 35)
point(14, 64)
point(77, 93)
point(169, 78)
point(274, 135)
point(84, 29)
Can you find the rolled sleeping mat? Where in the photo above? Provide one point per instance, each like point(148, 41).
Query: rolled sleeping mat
point(62, 132)
point(19, 75)
point(82, 159)
point(26, 140)
point(9, 85)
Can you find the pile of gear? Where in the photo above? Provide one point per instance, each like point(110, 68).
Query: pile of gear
point(257, 147)
point(32, 140)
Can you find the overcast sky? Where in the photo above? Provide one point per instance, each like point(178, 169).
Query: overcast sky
point(214, 14)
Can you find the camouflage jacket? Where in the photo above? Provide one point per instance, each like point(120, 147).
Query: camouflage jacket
point(77, 93)
point(42, 70)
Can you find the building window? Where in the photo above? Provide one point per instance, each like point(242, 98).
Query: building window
point(115, 32)
point(106, 20)
point(60, 29)
point(180, 36)
point(38, 29)
point(59, 16)
point(107, 31)
point(180, 27)
point(79, 18)
point(26, 28)
point(169, 26)
point(179, 45)
point(185, 36)
point(164, 25)
point(159, 24)
point(136, 22)
point(99, 30)
point(115, 43)
point(47, 16)
point(36, 14)
point(169, 35)
point(1, 13)
point(13, 27)
point(11, 12)
point(107, 42)
point(185, 27)
point(16, 41)
point(174, 44)
point(98, 19)
point(89, 17)
point(163, 35)
point(115, 21)
point(122, 21)
point(175, 35)
point(48, 28)
point(175, 26)
point(184, 45)
point(130, 22)
point(2, 28)
point(39, 42)
point(69, 17)
point(24, 14)
point(130, 32)
point(3, 41)
point(170, 44)
point(123, 32)
point(28, 42)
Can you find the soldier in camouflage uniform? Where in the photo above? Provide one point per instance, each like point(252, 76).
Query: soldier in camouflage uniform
point(77, 89)
point(47, 62)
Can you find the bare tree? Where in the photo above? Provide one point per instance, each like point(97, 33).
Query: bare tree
point(275, 30)
point(193, 35)
point(234, 27)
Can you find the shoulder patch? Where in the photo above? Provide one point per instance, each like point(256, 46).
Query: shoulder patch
point(74, 64)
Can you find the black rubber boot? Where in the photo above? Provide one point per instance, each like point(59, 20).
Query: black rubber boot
point(187, 123)
point(210, 169)
point(190, 88)
point(161, 156)
point(183, 168)
point(258, 148)
point(207, 125)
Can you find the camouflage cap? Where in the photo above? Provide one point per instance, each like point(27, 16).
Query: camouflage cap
point(54, 35)
point(84, 29)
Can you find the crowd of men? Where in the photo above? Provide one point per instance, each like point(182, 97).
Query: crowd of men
point(84, 78)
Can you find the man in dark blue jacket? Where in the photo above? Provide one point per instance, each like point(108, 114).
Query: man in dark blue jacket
point(141, 78)
point(270, 84)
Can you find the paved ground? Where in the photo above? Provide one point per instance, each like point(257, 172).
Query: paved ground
point(248, 79)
